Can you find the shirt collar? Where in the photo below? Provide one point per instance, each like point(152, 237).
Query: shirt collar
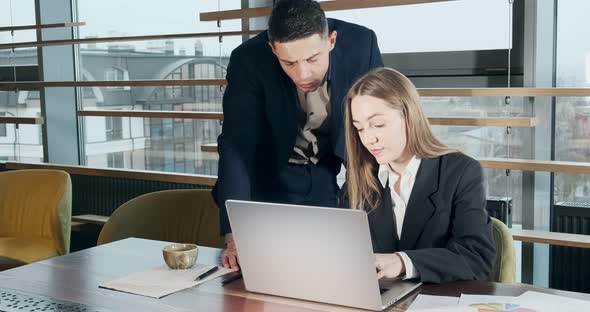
point(411, 169)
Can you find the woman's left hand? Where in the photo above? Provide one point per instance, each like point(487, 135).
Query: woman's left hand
point(389, 265)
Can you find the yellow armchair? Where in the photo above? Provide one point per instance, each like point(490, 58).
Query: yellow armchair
point(35, 215)
point(504, 270)
point(183, 216)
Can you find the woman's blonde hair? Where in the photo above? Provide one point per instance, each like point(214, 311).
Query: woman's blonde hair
point(401, 94)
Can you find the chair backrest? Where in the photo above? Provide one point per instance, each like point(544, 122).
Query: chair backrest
point(504, 270)
point(36, 203)
point(184, 216)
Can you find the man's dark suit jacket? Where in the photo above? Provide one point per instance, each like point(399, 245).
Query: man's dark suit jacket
point(446, 232)
point(260, 113)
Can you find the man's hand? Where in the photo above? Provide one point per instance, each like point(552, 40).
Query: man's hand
point(229, 257)
point(389, 265)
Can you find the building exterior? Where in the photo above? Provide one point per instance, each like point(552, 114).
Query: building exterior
point(138, 143)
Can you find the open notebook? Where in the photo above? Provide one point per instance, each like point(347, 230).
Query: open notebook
point(162, 281)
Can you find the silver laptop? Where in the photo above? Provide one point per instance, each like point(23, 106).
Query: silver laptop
point(312, 253)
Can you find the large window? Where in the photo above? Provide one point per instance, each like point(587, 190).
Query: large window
point(22, 142)
point(486, 142)
point(114, 128)
point(117, 74)
point(17, 13)
point(116, 160)
point(404, 33)
point(2, 126)
point(153, 143)
point(572, 120)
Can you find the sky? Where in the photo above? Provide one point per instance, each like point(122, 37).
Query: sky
point(446, 26)
point(17, 12)
point(572, 39)
point(399, 29)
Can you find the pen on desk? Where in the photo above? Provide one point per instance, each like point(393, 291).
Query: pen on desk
point(209, 272)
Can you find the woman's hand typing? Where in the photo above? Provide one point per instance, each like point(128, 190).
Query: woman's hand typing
point(389, 265)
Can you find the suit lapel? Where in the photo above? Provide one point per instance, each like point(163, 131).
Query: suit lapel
point(420, 207)
point(283, 115)
point(340, 81)
point(280, 106)
point(382, 225)
point(337, 89)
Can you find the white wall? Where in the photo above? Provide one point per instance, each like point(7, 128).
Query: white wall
point(95, 129)
point(27, 134)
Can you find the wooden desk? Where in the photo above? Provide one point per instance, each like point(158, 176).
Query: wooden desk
point(75, 277)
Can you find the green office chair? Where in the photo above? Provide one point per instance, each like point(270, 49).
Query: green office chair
point(504, 270)
point(183, 216)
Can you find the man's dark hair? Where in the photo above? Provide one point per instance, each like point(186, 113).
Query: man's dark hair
point(296, 19)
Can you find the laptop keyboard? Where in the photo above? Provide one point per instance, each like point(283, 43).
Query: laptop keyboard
point(386, 284)
point(13, 301)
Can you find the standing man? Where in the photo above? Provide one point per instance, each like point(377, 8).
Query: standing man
point(283, 131)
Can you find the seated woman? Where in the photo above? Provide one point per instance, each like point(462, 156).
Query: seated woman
point(425, 202)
